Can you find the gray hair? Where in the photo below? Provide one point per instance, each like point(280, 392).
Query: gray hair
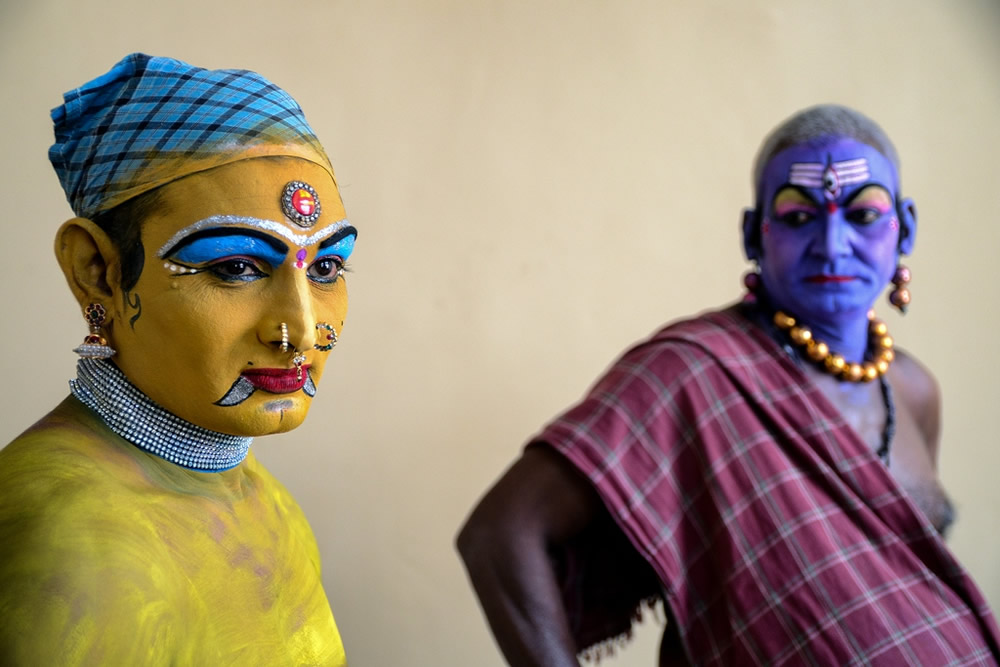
point(817, 122)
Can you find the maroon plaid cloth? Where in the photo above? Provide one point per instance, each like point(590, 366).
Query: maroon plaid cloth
point(779, 538)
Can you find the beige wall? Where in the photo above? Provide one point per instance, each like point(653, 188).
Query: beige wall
point(536, 184)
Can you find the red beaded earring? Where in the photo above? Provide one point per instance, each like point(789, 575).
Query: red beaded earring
point(95, 346)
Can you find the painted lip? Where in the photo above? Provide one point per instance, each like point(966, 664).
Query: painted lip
point(276, 380)
point(824, 279)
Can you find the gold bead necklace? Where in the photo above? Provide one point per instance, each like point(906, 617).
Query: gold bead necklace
point(834, 364)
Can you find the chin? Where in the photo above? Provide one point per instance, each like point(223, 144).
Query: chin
point(831, 305)
point(289, 422)
point(268, 416)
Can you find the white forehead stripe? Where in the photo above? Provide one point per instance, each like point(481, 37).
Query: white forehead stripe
point(810, 174)
point(278, 228)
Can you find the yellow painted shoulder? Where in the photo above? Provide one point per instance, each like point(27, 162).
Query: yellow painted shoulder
point(77, 558)
point(109, 555)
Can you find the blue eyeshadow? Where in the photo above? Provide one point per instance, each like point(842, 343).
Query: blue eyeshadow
point(342, 248)
point(213, 248)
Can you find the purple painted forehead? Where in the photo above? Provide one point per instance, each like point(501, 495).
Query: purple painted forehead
point(828, 169)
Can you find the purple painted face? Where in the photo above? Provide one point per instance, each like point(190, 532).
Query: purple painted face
point(830, 235)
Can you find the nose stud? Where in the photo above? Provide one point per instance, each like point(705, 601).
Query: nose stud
point(284, 337)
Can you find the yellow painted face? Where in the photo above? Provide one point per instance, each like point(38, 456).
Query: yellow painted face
point(231, 254)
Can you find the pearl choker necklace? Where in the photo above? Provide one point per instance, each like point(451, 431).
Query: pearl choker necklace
point(103, 388)
point(834, 364)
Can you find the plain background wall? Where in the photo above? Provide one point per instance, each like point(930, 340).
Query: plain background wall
point(536, 185)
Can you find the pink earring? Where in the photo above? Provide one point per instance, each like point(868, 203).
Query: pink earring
point(900, 296)
point(751, 280)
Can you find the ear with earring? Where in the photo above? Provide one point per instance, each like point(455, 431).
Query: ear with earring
point(900, 295)
point(95, 346)
point(751, 280)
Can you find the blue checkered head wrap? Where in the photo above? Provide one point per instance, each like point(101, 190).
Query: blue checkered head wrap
point(150, 121)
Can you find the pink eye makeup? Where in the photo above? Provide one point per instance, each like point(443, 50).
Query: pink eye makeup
point(873, 197)
point(794, 208)
point(783, 209)
point(869, 205)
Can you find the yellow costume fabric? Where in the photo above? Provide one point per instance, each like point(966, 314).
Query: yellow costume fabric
point(112, 556)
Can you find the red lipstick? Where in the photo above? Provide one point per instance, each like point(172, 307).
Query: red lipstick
point(276, 380)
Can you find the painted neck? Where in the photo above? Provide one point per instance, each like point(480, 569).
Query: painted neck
point(847, 335)
point(103, 388)
point(845, 332)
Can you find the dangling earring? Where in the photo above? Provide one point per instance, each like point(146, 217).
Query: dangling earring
point(95, 346)
point(900, 296)
point(751, 280)
point(331, 336)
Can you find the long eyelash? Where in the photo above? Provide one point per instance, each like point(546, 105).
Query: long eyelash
point(346, 267)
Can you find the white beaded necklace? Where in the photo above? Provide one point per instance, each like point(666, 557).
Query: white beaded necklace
point(103, 388)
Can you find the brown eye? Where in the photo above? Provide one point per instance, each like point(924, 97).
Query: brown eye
point(796, 218)
point(325, 270)
point(863, 216)
point(236, 269)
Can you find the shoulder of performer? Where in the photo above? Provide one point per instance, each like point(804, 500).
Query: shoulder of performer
point(916, 388)
point(83, 573)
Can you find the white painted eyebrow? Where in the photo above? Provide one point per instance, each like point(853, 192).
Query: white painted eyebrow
point(278, 228)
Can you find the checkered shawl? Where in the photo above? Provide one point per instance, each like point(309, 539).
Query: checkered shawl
point(778, 537)
point(150, 121)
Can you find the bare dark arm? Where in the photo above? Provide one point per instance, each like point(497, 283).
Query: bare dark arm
point(539, 503)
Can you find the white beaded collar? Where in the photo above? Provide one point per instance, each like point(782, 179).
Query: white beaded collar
point(103, 388)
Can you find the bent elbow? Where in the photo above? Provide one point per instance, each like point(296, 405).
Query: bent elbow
point(473, 541)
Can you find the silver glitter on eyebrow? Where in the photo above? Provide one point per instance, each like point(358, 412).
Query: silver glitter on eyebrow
point(278, 228)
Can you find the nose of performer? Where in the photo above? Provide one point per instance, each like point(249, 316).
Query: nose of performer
point(832, 237)
point(292, 306)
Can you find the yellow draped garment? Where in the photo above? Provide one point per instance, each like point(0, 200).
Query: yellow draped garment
point(111, 556)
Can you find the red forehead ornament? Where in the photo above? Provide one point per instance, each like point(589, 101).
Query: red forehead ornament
point(300, 203)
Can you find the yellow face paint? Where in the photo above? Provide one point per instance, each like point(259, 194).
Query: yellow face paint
point(226, 263)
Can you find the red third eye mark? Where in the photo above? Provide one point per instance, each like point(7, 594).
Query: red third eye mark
point(303, 202)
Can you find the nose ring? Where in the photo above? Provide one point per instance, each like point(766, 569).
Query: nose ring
point(330, 336)
point(284, 337)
